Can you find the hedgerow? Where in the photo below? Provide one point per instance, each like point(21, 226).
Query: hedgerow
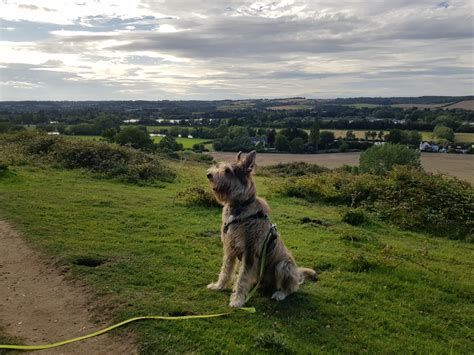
point(409, 198)
point(291, 169)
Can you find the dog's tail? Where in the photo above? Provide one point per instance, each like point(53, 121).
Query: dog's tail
point(306, 272)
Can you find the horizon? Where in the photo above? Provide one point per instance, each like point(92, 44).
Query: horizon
point(254, 99)
point(100, 50)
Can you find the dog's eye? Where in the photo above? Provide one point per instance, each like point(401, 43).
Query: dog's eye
point(227, 171)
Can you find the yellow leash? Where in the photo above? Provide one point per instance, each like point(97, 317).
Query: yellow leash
point(87, 336)
point(202, 316)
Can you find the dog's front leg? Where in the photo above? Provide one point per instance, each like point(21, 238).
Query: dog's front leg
point(246, 278)
point(227, 269)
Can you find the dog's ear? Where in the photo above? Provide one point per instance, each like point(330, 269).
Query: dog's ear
point(239, 154)
point(249, 161)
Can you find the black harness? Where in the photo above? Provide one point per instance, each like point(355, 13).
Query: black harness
point(272, 233)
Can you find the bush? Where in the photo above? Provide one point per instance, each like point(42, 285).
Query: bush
point(444, 133)
point(291, 169)
point(127, 164)
point(381, 159)
point(168, 143)
point(198, 196)
point(409, 198)
point(354, 216)
point(136, 137)
point(109, 160)
point(281, 143)
point(194, 156)
point(297, 145)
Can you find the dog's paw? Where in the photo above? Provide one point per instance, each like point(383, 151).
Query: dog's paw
point(279, 296)
point(236, 303)
point(214, 286)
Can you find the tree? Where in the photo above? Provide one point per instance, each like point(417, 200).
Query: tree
point(326, 138)
point(297, 145)
point(350, 135)
point(373, 135)
point(292, 133)
point(313, 139)
point(136, 137)
point(381, 135)
point(281, 143)
point(271, 137)
point(444, 132)
point(414, 138)
point(174, 131)
point(169, 144)
point(394, 136)
point(381, 159)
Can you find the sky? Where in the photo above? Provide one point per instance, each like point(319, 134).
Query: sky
point(234, 49)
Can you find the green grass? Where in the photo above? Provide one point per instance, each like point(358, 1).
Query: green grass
point(86, 138)
point(381, 290)
point(186, 142)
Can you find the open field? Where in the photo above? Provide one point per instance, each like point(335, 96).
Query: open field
point(289, 107)
point(186, 142)
point(363, 105)
point(422, 106)
point(428, 136)
point(458, 165)
point(380, 289)
point(466, 105)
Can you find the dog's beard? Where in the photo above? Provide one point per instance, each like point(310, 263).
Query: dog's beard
point(220, 192)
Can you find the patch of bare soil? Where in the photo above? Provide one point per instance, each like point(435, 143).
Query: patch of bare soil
point(39, 306)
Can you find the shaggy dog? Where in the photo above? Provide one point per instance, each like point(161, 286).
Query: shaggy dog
point(245, 227)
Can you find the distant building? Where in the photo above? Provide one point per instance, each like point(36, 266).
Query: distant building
point(258, 141)
point(131, 121)
point(55, 133)
point(429, 147)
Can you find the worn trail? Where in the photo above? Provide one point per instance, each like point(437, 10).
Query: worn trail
point(38, 305)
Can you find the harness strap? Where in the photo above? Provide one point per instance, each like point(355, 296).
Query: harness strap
point(258, 215)
point(269, 240)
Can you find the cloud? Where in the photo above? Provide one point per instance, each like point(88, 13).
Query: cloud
point(239, 48)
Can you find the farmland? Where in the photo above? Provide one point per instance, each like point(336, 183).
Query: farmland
point(457, 165)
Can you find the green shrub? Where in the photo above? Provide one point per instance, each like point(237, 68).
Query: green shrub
point(354, 216)
point(381, 159)
point(109, 160)
point(444, 133)
point(168, 143)
point(291, 169)
point(124, 163)
point(194, 156)
point(408, 198)
point(281, 143)
point(198, 196)
point(135, 137)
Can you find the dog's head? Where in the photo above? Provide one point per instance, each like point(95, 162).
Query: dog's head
point(233, 181)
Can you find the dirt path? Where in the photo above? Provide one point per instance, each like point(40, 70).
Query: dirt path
point(38, 306)
point(459, 165)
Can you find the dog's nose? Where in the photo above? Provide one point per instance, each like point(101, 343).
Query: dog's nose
point(209, 176)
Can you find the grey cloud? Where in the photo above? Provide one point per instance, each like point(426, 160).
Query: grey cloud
point(237, 50)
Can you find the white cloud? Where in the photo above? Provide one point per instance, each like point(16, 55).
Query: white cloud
point(238, 48)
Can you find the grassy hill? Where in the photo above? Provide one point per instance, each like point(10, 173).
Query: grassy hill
point(380, 289)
